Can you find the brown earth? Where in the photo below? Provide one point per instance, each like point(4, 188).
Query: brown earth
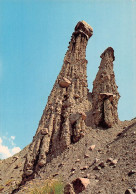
point(79, 161)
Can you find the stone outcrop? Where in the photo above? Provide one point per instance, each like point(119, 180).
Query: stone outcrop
point(64, 83)
point(105, 95)
point(77, 186)
point(63, 120)
point(80, 184)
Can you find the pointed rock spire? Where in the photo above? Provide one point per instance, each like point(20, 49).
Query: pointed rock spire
point(105, 95)
point(63, 120)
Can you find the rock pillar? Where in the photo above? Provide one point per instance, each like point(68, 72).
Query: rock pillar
point(63, 120)
point(105, 95)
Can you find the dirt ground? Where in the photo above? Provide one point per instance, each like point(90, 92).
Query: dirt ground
point(118, 143)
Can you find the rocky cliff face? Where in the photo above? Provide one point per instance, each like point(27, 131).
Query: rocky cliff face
point(105, 95)
point(63, 120)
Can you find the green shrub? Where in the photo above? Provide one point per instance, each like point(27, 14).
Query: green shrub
point(50, 187)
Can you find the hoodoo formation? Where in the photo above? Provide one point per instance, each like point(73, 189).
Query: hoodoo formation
point(63, 120)
point(105, 95)
point(96, 160)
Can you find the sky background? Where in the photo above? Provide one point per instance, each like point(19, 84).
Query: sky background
point(34, 36)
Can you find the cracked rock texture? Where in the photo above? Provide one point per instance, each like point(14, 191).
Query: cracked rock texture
point(63, 119)
point(105, 95)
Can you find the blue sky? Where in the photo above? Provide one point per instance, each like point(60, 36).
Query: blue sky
point(34, 36)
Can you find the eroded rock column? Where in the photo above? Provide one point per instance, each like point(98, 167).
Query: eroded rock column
point(63, 120)
point(105, 94)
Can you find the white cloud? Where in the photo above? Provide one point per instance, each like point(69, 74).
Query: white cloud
point(15, 150)
point(11, 140)
point(12, 137)
point(6, 152)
